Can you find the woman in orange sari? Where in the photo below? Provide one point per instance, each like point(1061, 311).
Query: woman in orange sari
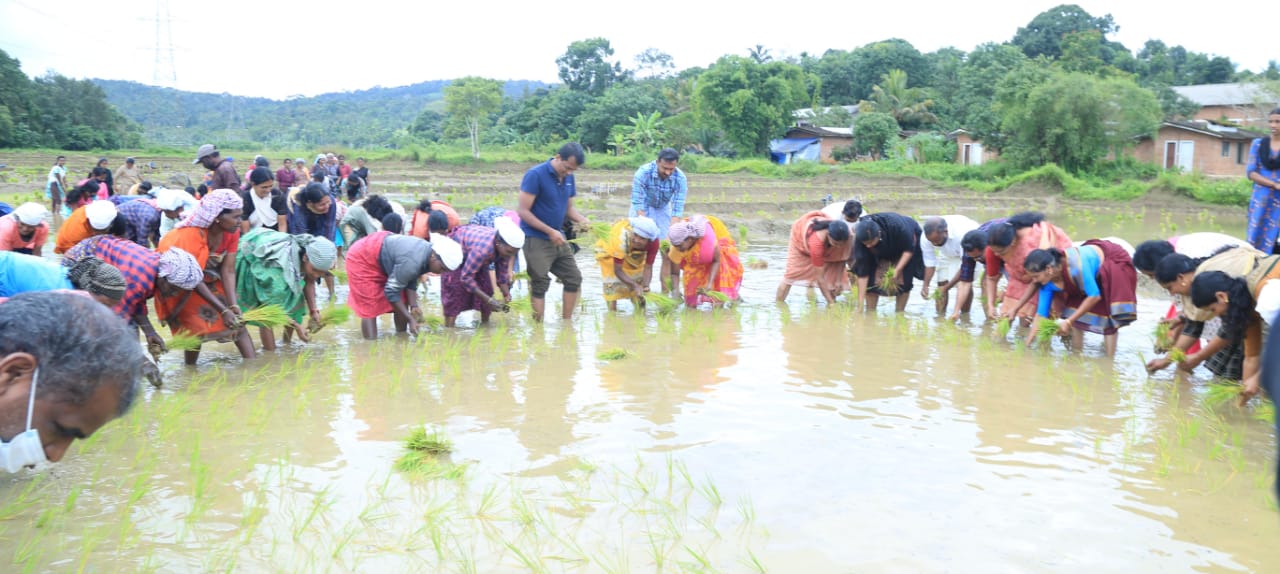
point(708, 259)
point(212, 234)
point(1008, 245)
point(817, 256)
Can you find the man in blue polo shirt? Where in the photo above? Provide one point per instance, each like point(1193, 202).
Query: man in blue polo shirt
point(546, 199)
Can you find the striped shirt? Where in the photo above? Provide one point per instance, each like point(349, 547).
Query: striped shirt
point(139, 265)
point(144, 221)
point(479, 246)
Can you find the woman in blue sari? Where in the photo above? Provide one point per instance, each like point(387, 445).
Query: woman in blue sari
point(1264, 172)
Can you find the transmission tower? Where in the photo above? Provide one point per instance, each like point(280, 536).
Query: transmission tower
point(165, 73)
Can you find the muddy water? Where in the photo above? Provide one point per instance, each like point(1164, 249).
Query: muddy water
point(790, 439)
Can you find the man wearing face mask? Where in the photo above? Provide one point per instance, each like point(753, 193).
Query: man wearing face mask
point(67, 367)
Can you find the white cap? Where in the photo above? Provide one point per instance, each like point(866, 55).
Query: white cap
point(448, 250)
point(510, 233)
point(169, 199)
point(30, 213)
point(100, 214)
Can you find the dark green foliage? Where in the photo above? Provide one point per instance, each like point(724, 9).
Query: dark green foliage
point(58, 112)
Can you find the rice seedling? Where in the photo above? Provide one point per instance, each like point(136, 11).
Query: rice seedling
point(1003, 326)
point(1046, 330)
point(521, 305)
point(270, 316)
point(184, 341)
point(340, 276)
point(1177, 355)
point(1220, 392)
point(757, 263)
point(1265, 412)
point(935, 295)
point(432, 442)
point(714, 295)
point(662, 303)
point(1163, 341)
point(665, 245)
point(613, 354)
point(888, 284)
point(334, 315)
point(593, 233)
point(521, 276)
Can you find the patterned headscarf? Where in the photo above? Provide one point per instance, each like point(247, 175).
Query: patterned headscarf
point(211, 207)
point(644, 227)
point(181, 269)
point(98, 278)
point(321, 252)
point(696, 227)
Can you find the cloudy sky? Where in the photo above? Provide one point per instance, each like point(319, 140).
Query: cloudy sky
point(281, 48)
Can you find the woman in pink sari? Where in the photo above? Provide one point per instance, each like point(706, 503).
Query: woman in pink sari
point(708, 259)
point(1008, 245)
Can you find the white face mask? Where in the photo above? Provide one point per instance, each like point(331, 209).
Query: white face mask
point(25, 449)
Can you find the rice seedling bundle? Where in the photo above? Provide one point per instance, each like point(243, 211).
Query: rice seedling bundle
point(1177, 355)
point(595, 232)
point(613, 354)
point(715, 295)
point(1265, 412)
point(1003, 326)
point(665, 246)
point(1163, 340)
point(433, 441)
point(1046, 330)
point(756, 263)
point(184, 341)
point(1220, 392)
point(888, 285)
point(521, 276)
point(662, 303)
point(335, 315)
point(270, 316)
point(340, 276)
point(432, 322)
point(936, 295)
point(522, 305)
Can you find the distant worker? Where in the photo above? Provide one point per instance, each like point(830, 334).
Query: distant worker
point(224, 174)
point(127, 176)
point(55, 187)
point(658, 192)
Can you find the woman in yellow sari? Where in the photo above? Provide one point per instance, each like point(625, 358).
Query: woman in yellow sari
point(626, 260)
point(708, 257)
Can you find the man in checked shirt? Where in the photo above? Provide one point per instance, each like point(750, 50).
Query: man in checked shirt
point(658, 193)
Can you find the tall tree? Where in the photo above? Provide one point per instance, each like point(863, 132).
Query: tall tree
point(760, 54)
point(654, 63)
point(752, 102)
point(617, 106)
point(873, 132)
point(1043, 35)
point(908, 106)
point(585, 67)
point(872, 61)
point(473, 100)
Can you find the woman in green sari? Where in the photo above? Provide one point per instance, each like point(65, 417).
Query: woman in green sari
point(274, 268)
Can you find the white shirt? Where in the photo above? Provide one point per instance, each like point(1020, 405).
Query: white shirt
point(1203, 244)
point(957, 226)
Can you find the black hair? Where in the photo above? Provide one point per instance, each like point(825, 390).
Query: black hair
point(866, 230)
point(393, 222)
point(97, 171)
point(976, 239)
point(354, 193)
point(668, 154)
point(189, 189)
point(934, 224)
point(55, 160)
point(201, 191)
point(1204, 290)
point(261, 175)
point(1171, 266)
point(424, 206)
point(852, 209)
point(78, 193)
point(317, 176)
point(572, 150)
point(1025, 219)
point(1149, 253)
point(437, 222)
point(69, 336)
point(261, 161)
point(144, 187)
point(119, 226)
point(837, 229)
point(377, 207)
point(1275, 112)
point(1039, 259)
point(1001, 235)
point(313, 193)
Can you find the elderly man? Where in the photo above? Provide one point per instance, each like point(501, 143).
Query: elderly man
point(56, 381)
point(85, 222)
point(942, 251)
point(546, 200)
point(127, 176)
point(224, 174)
point(657, 192)
point(24, 230)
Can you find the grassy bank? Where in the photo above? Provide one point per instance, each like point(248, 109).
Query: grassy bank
point(1114, 181)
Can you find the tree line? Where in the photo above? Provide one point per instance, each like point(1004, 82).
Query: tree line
point(58, 112)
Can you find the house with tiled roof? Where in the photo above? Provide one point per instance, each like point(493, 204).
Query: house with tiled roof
point(1244, 104)
point(1200, 146)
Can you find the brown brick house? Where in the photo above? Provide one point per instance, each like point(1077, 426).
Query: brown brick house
point(970, 151)
point(828, 139)
point(1200, 146)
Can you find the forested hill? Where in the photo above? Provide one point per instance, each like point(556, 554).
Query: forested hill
point(363, 118)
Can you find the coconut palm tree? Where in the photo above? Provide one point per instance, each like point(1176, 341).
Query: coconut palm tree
point(907, 105)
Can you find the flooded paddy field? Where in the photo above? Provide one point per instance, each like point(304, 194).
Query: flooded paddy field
point(783, 438)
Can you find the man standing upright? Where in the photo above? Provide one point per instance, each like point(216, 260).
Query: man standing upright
point(127, 176)
point(224, 174)
point(55, 187)
point(546, 199)
point(658, 193)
